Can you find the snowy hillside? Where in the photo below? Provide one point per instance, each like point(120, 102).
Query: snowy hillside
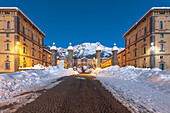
point(86, 50)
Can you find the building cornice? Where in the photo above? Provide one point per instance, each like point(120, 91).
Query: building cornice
point(18, 10)
point(137, 23)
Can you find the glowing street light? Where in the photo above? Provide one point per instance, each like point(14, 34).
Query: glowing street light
point(17, 43)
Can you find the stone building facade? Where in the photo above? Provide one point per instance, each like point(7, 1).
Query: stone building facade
point(20, 39)
point(148, 41)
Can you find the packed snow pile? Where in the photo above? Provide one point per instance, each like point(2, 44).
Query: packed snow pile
point(13, 84)
point(142, 90)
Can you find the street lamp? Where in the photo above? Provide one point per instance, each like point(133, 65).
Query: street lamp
point(17, 43)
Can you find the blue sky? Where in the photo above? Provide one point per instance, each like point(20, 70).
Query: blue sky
point(79, 21)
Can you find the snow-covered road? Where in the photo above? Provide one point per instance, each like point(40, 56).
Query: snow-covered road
point(140, 89)
point(14, 84)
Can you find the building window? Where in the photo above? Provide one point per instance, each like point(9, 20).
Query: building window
point(32, 53)
point(7, 46)
point(32, 37)
point(8, 24)
point(129, 41)
point(135, 44)
point(135, 53)
point(32, 44)
point(24, 49)
point(144, 59)
point(24, 39)
point(145, 30)
point(23, 29)
point(39, 54)
point(161, 35)
point(7, 56)
point(144, 50)
point(7, 65)
point(7, 35)
point(25, 65)
point(161, 47)
point(161, 25)
point(144, 39)
point(136, 36)
point(161, 66)
point(161, 57)
point(38, 41)
point(32, 63)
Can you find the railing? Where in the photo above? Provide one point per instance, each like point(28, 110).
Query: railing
point(107, 62)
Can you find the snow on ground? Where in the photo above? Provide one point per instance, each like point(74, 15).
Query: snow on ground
point(14, 84)
point(142, 90)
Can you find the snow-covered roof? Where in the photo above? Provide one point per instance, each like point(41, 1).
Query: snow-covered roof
point(153, 8)
point(16, 8)
point(70, 47)
point(53, 47)
point(115, 47)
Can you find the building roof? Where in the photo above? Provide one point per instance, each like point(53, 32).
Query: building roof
point(153, 8)
point(47, 50)
point(16, 8)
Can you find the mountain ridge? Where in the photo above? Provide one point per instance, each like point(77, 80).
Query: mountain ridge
point(87, 50)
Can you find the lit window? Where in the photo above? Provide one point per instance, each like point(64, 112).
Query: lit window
point(161, 47)
point(7, 46)
point(7, 35)
point(144, 50)
point(161, 66)
point(7, 65)
point(161, 25)
point(8, 24)
point(161, 35)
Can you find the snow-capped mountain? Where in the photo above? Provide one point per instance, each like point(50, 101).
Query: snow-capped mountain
point(87, 50)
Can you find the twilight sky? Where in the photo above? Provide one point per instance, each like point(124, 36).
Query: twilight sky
point(80, 21)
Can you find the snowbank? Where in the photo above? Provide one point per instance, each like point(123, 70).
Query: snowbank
point(139, 89)
point(16, 83)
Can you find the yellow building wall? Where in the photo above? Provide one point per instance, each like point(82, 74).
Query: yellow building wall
point(17, 58)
